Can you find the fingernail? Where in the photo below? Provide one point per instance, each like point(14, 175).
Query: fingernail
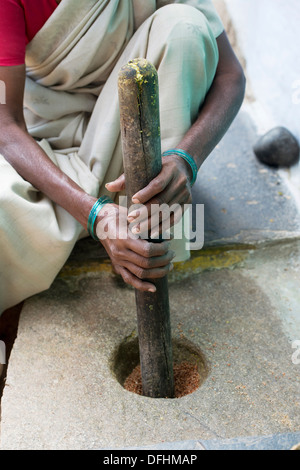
point(135, 230)
point(133, 215)
point(135, 201)
point(152, 290)
point(171, 267)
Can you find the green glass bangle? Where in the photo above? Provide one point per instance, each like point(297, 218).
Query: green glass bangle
point(188, 158)
point(94, 213)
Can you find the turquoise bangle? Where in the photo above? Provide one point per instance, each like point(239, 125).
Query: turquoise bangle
point(188, 158)
point(93, 215)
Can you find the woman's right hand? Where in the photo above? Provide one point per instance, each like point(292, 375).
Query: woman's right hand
point(136, 260)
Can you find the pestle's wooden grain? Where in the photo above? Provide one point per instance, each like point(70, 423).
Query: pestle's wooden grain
point(141, 144)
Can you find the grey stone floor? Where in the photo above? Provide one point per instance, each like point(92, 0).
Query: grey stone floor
point(237, 300)
point(245, 202)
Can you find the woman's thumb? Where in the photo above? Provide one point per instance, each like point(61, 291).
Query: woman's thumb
point(117, 185)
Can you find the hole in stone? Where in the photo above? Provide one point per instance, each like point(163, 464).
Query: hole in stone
point(190, 366)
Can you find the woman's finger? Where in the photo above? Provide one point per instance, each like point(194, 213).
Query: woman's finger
point(161, 214)
point(157, 185)
point(149, 263)
point(146, 274)
point(176, 192)
point(146, 249)
point(135, 282)
point(117, 185)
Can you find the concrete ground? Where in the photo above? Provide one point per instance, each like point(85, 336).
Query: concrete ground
point(237, 300)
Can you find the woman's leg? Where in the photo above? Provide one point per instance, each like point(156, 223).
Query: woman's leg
point(186, 64)
point(178, 40)
point(36, 238)
point(185, 52)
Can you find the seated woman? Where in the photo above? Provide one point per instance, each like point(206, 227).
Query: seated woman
point(60, 132)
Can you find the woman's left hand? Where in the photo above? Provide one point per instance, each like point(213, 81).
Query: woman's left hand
point(170, 188)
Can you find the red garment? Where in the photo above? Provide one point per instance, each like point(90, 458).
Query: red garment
point(20, 20)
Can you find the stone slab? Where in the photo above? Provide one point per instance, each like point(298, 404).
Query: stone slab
point(61, 392)
point(276, 442)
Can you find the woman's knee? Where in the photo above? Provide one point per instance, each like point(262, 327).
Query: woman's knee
point(183, 20)
point(184, 32)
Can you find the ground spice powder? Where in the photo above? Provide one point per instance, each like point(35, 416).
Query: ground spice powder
point(186, 379)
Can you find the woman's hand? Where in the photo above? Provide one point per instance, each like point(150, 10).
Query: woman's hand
point(171, 188)
point(136, 260)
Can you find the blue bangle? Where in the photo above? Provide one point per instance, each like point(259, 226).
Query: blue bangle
point(188, 158)
point(93, 215)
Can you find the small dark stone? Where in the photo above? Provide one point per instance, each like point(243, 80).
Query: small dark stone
point(278, 148)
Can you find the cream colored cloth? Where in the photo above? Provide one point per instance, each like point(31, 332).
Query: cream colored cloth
point(71, 108)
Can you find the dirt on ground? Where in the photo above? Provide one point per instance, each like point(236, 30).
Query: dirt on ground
point(186, 378)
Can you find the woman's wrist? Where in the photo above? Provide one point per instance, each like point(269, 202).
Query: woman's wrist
point(84, 206)
point(185, 166)
point(95, 213)
point(185, 161)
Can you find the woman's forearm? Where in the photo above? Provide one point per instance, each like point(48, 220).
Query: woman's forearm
point(33, 164)
point(217, 114)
